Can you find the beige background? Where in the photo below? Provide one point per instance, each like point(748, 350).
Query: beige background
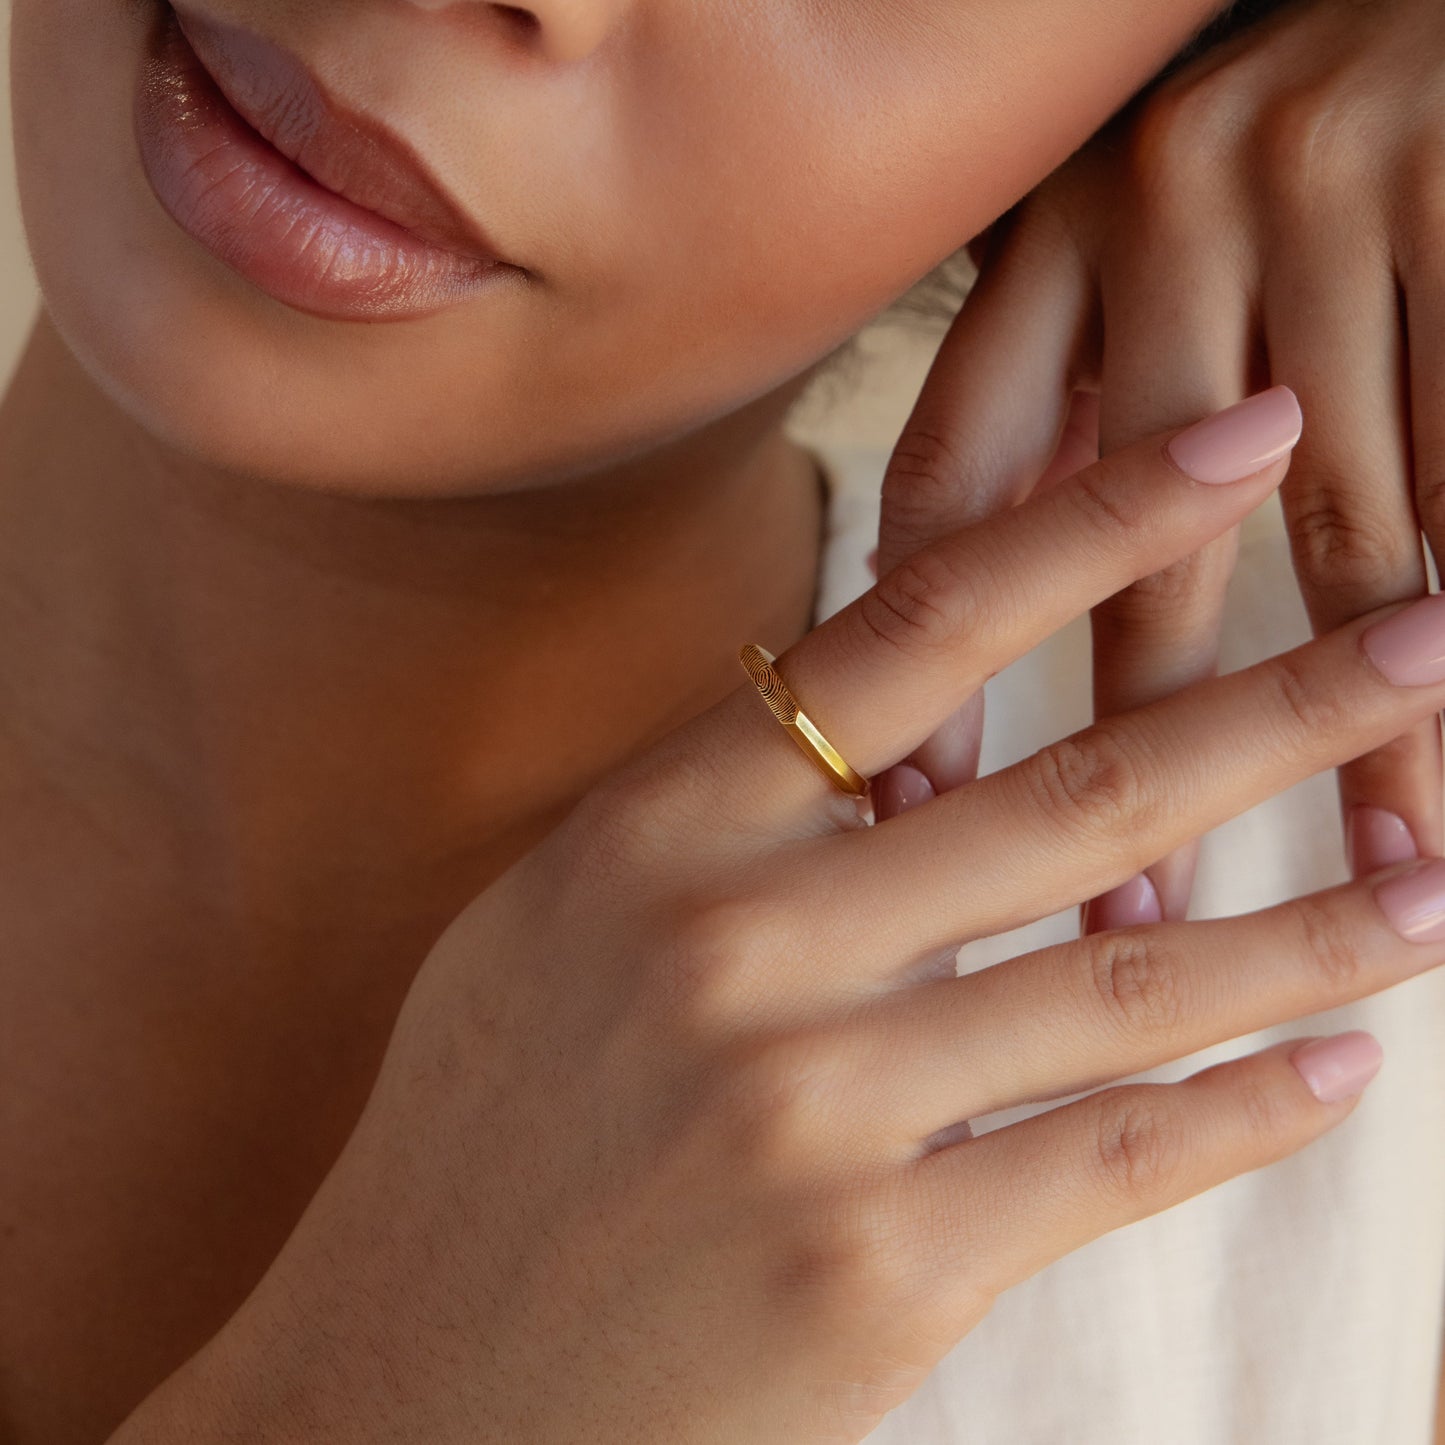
point(868, 411)
point(17, 281)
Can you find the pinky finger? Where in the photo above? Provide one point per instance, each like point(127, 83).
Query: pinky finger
point(1004, 1205)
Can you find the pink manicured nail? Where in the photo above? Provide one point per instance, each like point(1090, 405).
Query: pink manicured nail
point(1375, 839)
point(1339, 1067)
point(897, 789)
point(1414, 902)
point(1130, 903)
point(1409, 646)
point(1240, 440)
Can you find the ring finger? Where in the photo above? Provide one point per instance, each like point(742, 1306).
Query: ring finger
point(1085, 1013)
point(1162, 633)
point(1333, 327)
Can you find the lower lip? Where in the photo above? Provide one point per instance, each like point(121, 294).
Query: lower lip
point(235, 193)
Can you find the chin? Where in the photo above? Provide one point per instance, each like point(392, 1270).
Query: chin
point(450, 405)
point(230, 378)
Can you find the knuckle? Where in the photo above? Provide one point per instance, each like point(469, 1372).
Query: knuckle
point(768, 1105)
point(1311, 710)
point(930, 486)
point(850, 1252)
point(1182, 139)
point(1138, 982)
point(1089, 784)
point(1340, 544)
point(1185, 596)
point(1266, 1117)
point(1139, 1142)
point(1109, 514)
point(924, 470)
point(1329, 944)
point(1172, 587)
point(923, 606)
point(716, 969)
point(633, 815)
point(1314, 150)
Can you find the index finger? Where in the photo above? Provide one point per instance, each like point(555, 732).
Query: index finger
point(880, 675)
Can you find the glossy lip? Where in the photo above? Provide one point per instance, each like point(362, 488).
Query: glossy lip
point(336, 217)
point(349, 153)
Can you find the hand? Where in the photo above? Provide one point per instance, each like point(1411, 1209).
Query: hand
point(669, 1143)
point(1271, 211)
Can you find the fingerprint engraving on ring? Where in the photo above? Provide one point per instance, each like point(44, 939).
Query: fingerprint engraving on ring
point(774, 690)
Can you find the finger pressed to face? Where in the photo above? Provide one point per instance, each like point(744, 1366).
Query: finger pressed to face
point(982, 431)
point(991, 411)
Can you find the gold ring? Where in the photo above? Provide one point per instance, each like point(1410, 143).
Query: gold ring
point(784, 706)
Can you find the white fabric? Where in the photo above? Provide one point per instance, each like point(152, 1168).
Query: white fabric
point(1296, 1305)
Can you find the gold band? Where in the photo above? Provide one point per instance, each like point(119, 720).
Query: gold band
point(784, 706)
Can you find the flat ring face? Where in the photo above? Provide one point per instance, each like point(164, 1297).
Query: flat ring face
point(769, 682)
point(784, 706)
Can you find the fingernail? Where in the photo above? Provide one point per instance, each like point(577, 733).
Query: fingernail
point(1414, 902)
point(1375, 839)
point(1409, 646)
point(949, 1134)
point(897, 789)
point(1339, 1067)
point(1237, 442)
point(1130, 903)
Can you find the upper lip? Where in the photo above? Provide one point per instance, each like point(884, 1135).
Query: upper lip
point(352, 154)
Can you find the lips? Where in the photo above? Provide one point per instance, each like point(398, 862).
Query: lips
point(324, 208)
point(343, 150)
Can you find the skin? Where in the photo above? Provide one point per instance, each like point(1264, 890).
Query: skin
point(709, 1185)
point(273, 589)
point(1271, 213)
point(1294, 176)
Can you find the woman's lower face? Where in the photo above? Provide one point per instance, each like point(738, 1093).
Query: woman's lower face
point(417, 248)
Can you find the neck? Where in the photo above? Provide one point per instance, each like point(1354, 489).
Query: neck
point(299, 703)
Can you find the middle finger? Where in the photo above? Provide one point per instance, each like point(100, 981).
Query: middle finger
point(1088, 812)
point(1086, 1013)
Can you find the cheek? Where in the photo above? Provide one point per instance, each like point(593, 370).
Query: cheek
point(765, 201)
